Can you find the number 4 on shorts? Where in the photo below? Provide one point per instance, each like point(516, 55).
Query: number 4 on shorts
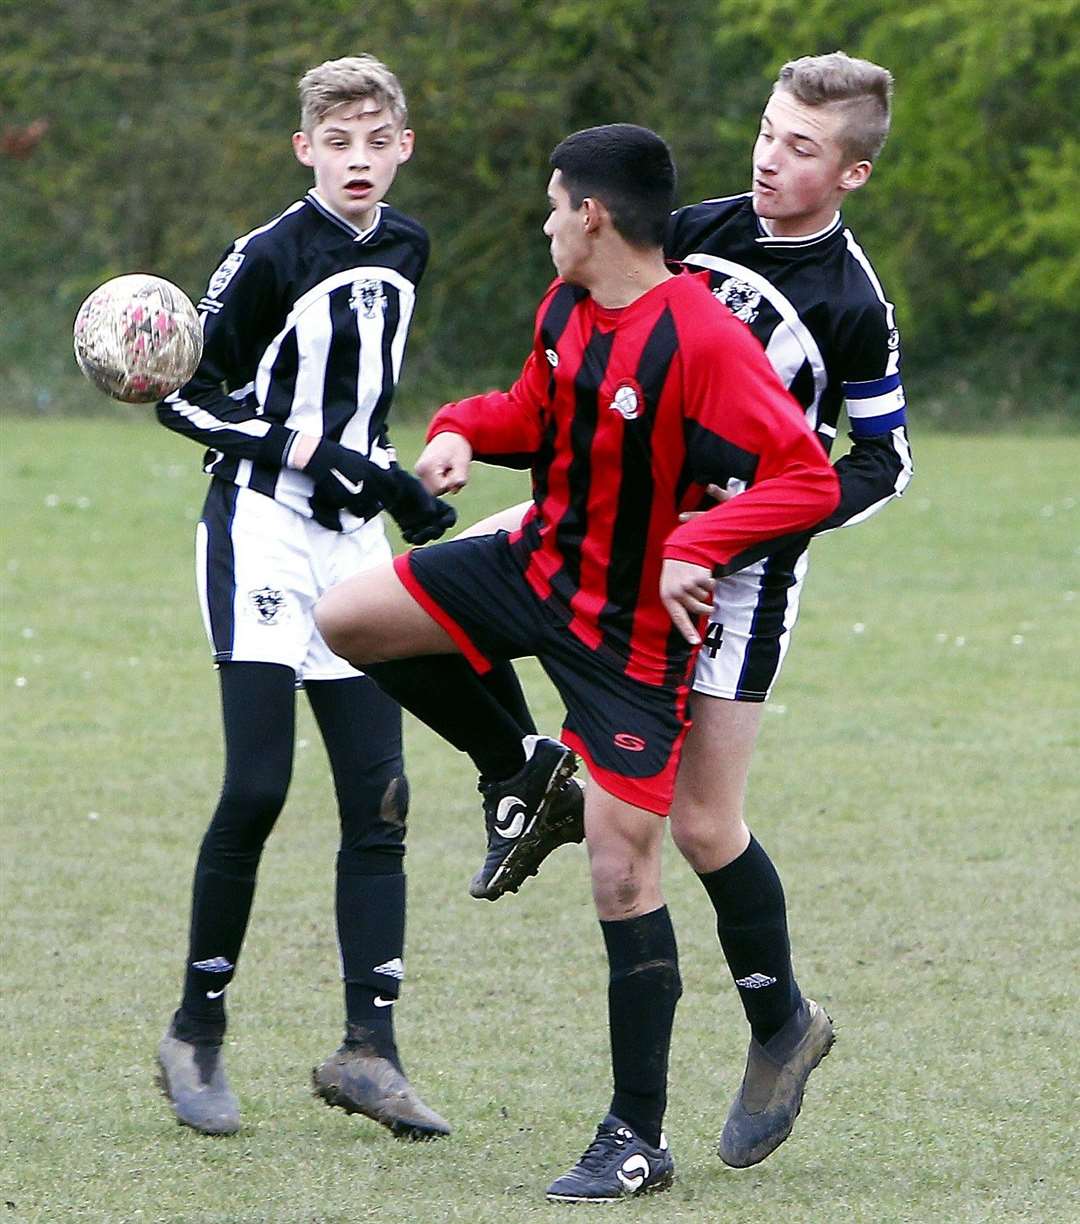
point(713, 638)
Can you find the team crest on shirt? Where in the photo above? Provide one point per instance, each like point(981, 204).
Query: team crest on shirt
point(740, 297)
point(627, 399)
point(267, 603)
point(368, 298)
point(219, 282)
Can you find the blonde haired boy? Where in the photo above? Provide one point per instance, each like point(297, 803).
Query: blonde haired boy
point(305, 325)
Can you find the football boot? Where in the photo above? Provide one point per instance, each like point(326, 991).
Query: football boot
point(192, 1076)
point(359, 1079)
point(618, 1163)
point(527, 816)
point(770, 1096)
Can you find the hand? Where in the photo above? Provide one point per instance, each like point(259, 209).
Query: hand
point(718, 494)
point(686, 590)
point(421, 517)
point(443, 467)
point(350, 481)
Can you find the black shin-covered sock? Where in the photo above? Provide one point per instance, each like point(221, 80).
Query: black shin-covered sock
point(221, 905)
point(751, 921)
point(643, 989)
point(503, 684)
point(371, 934)
point(444, 692)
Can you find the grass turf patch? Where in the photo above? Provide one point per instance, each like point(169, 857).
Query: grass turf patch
point(916, 783)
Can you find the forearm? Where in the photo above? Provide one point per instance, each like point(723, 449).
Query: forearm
point(777, 507)
point(875, 470)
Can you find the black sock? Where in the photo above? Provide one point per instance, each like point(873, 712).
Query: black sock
point(643, 988)
point(444, 692)
point(371, 934)
point(503, 684)
point(751, 921)
point(220, 908)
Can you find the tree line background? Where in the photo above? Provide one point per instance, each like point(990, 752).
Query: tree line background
point(145, 137)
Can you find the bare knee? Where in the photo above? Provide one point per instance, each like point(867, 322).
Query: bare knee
point(341, 628)
point(708, 836)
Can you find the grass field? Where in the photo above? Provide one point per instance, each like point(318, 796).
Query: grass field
point(918, 783)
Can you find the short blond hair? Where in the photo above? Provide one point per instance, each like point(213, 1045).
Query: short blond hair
point(860, 89)
point(350, 79)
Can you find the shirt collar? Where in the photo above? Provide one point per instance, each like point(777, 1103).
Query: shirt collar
point(768, 238)
point(358, 235)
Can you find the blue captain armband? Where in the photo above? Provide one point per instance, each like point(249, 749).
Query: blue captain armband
point(875, 407)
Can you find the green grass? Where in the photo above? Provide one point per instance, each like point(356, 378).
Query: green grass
point(916, 782)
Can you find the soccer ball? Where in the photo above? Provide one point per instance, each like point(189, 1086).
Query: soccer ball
point(138, 338)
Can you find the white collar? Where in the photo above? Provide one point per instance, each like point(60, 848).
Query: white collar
point(799, 238)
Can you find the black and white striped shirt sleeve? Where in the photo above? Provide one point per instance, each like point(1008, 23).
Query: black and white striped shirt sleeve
point(878, 467)
point(217, 407)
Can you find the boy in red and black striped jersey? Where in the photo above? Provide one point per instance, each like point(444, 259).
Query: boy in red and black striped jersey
point(640, 391)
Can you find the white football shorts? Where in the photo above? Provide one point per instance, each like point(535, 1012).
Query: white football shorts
point(260, 568)
point(754, 612)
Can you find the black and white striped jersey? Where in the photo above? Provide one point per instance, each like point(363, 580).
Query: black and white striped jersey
point(305, 323)
point(817, 307)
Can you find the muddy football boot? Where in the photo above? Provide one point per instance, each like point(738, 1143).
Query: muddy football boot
point(192, 1076)
point(359, 1080)
point(770, 1097)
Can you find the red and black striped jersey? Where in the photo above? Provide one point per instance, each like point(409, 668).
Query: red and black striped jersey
point(623, 417)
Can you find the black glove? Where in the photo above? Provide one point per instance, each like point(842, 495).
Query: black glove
point(350, 481)
point(421, 516)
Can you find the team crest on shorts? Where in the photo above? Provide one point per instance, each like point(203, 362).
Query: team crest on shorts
point(627, 399)
point(367, 298)
point(740, 297)
point(267, 604)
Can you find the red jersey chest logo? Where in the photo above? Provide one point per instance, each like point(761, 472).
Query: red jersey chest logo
point(628, 399)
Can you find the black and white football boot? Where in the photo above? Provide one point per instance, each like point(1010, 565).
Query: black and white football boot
point(527, 816)
point(617, 1164)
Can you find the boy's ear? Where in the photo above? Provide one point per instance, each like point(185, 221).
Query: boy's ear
point(593, 213)
point(408, 142)
point(854, 176)
point(302, 148)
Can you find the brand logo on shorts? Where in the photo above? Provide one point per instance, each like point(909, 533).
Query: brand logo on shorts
point(367, 298)
point(627, 400)
point(740, 298)
point(552, 357)
point(629, 742)
point(268, 603)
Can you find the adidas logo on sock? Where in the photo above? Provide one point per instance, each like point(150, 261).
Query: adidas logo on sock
point(755, 981)
point(392, 968)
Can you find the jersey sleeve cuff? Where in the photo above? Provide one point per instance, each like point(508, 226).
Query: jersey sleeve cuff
point(275, 446)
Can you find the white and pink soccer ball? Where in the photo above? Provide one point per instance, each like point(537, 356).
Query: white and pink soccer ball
point(138, 338)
